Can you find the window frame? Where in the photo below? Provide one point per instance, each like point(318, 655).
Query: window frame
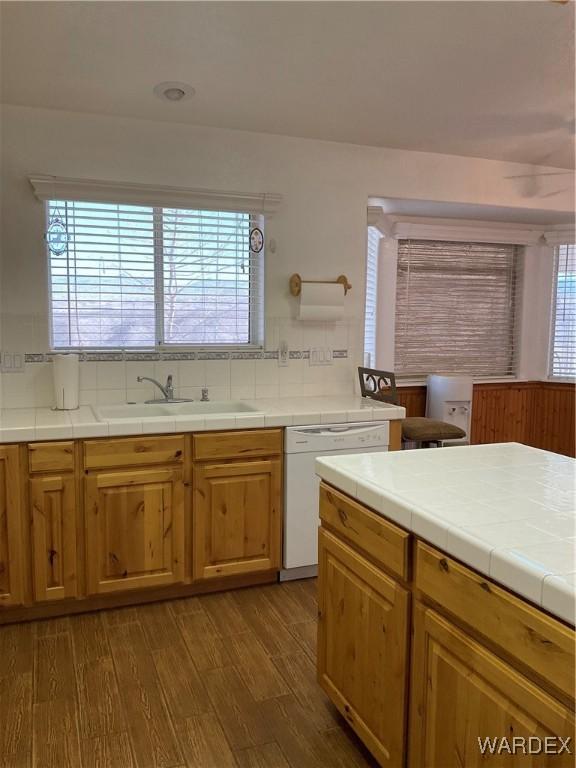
point(372, 269)
point(553, 308)
point(256, 293)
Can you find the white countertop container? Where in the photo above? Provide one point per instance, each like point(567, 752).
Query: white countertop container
point(23, 424)
point(506, 510)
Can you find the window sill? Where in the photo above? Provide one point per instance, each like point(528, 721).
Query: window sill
point(502, 380)
point(172, 350)
point(561, 379)
point(509, 380)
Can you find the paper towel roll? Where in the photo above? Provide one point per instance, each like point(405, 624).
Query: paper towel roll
point(66, 372)
point(321, 301)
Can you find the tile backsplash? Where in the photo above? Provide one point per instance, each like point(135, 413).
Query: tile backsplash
point(108, 378)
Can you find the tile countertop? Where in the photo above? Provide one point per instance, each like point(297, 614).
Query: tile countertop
point(506, 510)
point(23, 424)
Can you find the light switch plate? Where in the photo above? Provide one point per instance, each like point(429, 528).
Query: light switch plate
point(320, 356)
point(12, 362)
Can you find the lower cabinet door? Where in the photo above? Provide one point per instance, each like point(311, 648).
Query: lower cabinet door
point(237, 518)
point(363, 647)
point(134, 529)
point(54, 546)
point(470, 708)
point(11, 549)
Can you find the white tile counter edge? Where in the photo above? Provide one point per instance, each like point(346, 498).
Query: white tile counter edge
point(529, 552)
point(29, 424)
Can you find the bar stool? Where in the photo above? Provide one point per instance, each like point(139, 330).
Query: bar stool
point(381, 386)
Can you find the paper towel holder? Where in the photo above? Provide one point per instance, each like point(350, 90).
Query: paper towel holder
point(296, 283)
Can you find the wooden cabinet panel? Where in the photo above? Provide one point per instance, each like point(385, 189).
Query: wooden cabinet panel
point(237, 445)
point(535, 640)
point(386, 543)
point(134, 529)
point(51, 457)
point(11, 587)
point(363, 647)
point(237, 518)
point(133, 451)
point(54, 546)
point(462, 692)
point(395, 439)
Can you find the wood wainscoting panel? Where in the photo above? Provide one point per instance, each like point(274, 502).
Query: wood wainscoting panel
point(413, 399)
point(537, 413)
point(553, 418)
point(502, 413)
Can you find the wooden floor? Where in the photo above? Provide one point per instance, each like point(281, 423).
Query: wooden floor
point(219, 681)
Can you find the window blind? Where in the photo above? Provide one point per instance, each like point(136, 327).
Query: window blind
point(563, 341)
point(370, 313)
point(457, 308)
point(138, 276)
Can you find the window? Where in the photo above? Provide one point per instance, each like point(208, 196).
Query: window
point(370, 313)
point(563, 341)
point(139, 276)
point(456, 308)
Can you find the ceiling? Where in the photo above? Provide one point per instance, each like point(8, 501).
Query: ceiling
point(483, 79)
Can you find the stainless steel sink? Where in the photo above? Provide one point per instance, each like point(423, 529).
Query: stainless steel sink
point(174, 409)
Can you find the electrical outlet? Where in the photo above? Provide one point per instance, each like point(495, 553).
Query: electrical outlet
point(283, 356)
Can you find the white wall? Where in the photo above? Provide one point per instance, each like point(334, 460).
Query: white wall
point(320, 229)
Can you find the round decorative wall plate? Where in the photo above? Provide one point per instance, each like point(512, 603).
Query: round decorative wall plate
point(57, 236)
point(256, 240)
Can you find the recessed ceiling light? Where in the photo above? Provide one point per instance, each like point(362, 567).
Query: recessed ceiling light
point(174, 91)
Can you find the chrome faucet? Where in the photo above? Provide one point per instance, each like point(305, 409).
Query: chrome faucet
point(167, 390)
point(204, 398)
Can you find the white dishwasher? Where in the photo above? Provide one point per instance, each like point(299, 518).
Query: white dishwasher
point(302, 446)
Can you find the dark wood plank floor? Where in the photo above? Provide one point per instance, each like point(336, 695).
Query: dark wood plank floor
point(219, 681)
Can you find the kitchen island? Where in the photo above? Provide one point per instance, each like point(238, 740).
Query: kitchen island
point(446, 603)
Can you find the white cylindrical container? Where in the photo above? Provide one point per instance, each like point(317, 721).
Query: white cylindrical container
point(449, 398)
point(66, 373)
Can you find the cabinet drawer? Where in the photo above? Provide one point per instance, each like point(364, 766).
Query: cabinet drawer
point(51, 457)
point(108, 454)
point(237, 445)
point(523, 632)
point(386, 544)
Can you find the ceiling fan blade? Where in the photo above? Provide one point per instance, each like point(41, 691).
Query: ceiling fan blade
point(553, 194)
point(533, 175)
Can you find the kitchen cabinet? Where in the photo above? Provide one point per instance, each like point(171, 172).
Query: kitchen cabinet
point(363, 646)
point(462, 694)
point(103, 522)
point(11, 549)
point(53, 509)
point(483, 663)
point(134, 529)
point(236, 503)
point(237, 517)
